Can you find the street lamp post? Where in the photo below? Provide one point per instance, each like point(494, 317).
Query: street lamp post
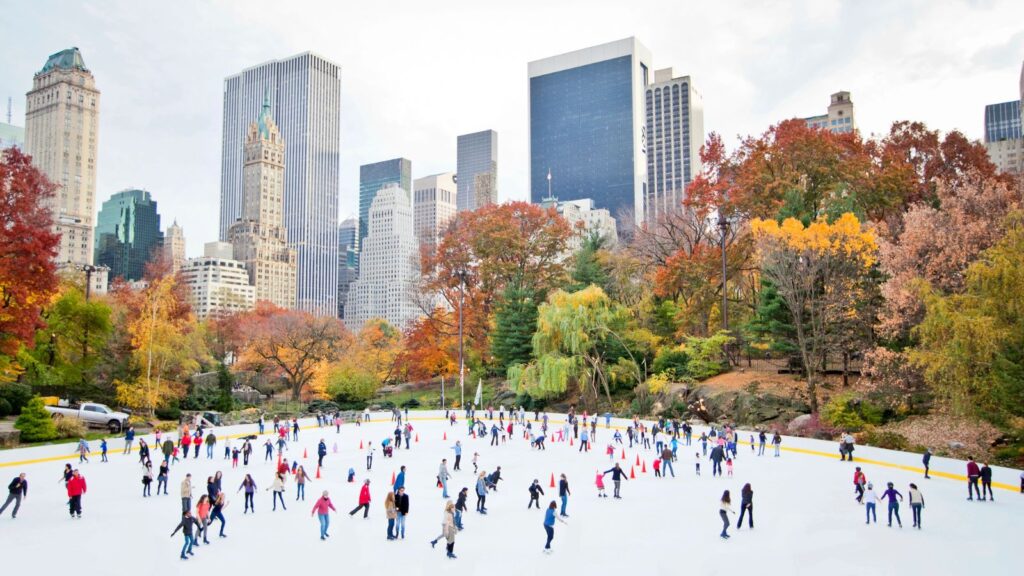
point(461, 274)
point(89, 269)
point(723, 225)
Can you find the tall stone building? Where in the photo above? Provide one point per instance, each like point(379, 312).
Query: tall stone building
point(840, 115)
point(61, 134)
point(174, 246)
point(305, 100)
point(259, 237)
point(433, 206)
point(217, 284)
point(388, 267)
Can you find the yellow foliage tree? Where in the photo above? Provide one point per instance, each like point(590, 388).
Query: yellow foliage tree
point(822, 273)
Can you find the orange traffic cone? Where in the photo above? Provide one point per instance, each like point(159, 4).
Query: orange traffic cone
point(305, 453)
point(632, 473)
point(623, 454)
point(570, 440)
point(317, 472)
point(644, 469)
point(417, 437)
point(392, 477)
point(445, 436)
point(637, 459)
point(278, 458)
point(552, 480)
point(360, 444)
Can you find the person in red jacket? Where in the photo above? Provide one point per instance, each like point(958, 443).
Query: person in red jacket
point(76, 487)
point(364, 500)
point(859, 480)
point(973, 474)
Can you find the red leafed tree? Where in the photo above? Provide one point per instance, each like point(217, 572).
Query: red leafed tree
point(28, 246)
point(428, 353)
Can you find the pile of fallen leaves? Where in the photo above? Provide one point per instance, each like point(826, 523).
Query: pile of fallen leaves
point(943, 432)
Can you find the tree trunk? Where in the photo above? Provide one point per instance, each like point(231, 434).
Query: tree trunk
point(846, 369)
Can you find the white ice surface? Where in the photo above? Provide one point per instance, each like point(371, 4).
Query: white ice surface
point(806, 519)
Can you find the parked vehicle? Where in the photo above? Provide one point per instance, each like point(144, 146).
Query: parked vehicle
point(91, 414)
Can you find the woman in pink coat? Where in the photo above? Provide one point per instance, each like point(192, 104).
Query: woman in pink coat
point(322, 510)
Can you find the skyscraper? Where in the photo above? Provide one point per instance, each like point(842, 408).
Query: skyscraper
point(1003, 138)
point(373, 177)
point(477, 169)
point(387, 264)
point(259, 238)
point(675, 133)
point(839, 118)
point(587, 126)
point(127, 234)
point(61, 134)
point(174, 246)
point(348, 256)
point(305, 100)
point(217, 284)
point(433, 206)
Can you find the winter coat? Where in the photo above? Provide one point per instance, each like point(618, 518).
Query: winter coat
point(76, 486)
point(323, 505)
point(364, 495)
point(402, 503)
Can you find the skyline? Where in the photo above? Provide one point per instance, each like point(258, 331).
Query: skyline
point(161, 73)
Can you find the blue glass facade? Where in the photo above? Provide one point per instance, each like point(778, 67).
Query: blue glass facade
point(373, 177)
point(581, 129)
point(127, 233)
point(1002, 121)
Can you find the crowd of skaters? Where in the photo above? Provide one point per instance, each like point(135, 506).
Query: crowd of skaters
point(664, 437)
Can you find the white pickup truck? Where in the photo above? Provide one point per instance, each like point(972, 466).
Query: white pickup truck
point(91, 414)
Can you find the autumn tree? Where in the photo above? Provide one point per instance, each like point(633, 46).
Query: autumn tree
point(292, 344)
point(821, 272)
point(426, 352)
point(28, 247)
point(483, 252)
point(938, 241)
point(166, 346)
point(971, 345)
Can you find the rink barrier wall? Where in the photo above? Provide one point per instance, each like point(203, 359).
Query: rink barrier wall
point(791, 449)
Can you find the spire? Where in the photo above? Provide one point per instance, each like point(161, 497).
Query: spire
point(265, 115)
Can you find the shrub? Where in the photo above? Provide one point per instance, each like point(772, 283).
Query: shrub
point(884, 439)
point(850, 413)
point(323, 406)
point(17, 395)
point(707, 355)
point(5, 407)
point(35, 423)
point(411, 403)
point(69, 427)
point(670, 359)
point(171, 412)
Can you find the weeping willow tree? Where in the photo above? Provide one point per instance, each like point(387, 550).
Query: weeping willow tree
point(573, 334)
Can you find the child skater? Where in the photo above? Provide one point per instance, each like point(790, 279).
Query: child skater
point(600, 485)
point(697, 457)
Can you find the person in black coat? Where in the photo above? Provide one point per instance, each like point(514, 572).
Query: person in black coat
point(717, 455)
point(16, 490)
point(402, 505)
point(535, 493)
point(618, 475)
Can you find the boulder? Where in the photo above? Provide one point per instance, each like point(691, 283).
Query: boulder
point(798, 423)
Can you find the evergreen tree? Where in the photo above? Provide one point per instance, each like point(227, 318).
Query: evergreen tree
point(515, 322)
point(35, 422)
point(772, 324)
point(225, 381)
point(587, 269)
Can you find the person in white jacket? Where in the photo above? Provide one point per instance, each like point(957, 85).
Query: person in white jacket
point(871, 503)
point(916, 504)
point(448, 530)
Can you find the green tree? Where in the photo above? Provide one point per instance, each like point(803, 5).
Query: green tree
point(35, 422)
point(515, 321)
point(574, 333)
point(771, 327)
point(587, 268)
point(225, 381)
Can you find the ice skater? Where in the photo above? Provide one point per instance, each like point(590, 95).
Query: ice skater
point(448, 529)
point(186, 525)
point(618, 475)
point(76, 489)
point(147, 480)
point(391, 512)
point(322, 510)
point(871, 500)
point(926, 459)
point(724, 509)
point(481, 493)
point(300, 483)
point(563, 493)
point(364, 500)
point(894, 504)
point(249, 485)
point(859, 480)
point(549, 525)
point(402, 505)
point(17, 491)
point(916, 504)
point(278, 491)
point(535, 493)
point(599, 482)
point(746, 506)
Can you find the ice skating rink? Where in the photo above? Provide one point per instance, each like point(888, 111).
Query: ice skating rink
point(806, 519)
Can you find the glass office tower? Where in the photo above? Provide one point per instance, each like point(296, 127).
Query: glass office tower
point(128, 234)
point(587, 127)
point(477, 170)
point(373, 177)
point(1002, 121)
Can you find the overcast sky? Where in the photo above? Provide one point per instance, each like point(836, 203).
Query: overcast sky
point(417, 73)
